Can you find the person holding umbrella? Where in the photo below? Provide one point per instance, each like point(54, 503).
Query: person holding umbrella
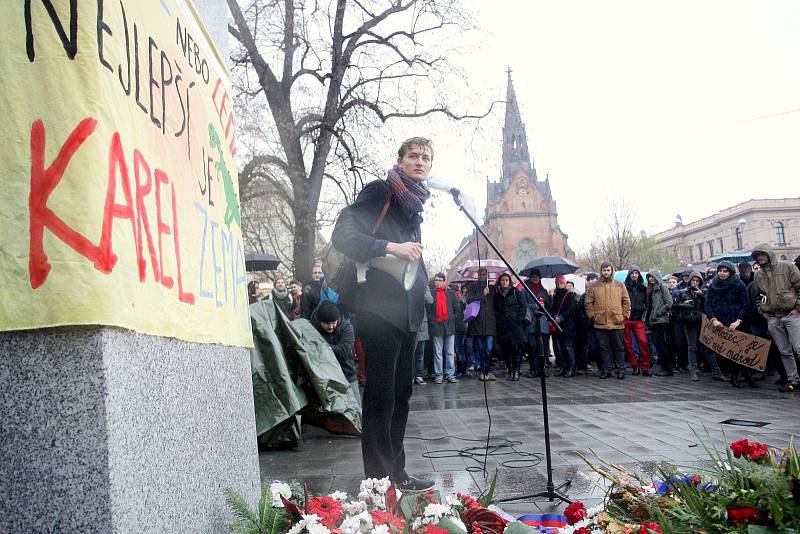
point(538, 331)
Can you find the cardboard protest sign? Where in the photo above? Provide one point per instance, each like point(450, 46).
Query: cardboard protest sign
point(118, 172)
point(744, 349)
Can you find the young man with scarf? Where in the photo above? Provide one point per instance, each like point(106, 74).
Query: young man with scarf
point(443, 313)
point(538, 339)
point(634, 326)
point(388, 316)
point(608, 306)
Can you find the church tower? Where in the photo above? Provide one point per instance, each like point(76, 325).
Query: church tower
point(521, 216)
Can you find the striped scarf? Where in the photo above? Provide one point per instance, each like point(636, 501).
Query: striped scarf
point(409, 194)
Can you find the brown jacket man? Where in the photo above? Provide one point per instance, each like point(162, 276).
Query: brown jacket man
point(608, 304)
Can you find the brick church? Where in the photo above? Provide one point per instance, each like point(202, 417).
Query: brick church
point(521, 216)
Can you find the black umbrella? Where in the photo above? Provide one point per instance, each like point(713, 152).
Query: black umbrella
point(256, 261)
point(550, 266)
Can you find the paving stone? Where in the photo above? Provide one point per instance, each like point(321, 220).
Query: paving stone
point(640, 423)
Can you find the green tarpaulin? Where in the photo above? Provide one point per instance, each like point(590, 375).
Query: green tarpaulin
point(295, 372)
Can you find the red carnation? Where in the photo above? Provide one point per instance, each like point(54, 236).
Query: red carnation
point(582, 530)
point(743, 515)
point(756, 451)
point(379, 517)
point(649, 527)
point(433, 529)
point(327, 508)
point(695, 480)
point(575, 512)
point(740, 448)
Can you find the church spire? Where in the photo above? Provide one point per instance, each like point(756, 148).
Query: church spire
point(515, 140)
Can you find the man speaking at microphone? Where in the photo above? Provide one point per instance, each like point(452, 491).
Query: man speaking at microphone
point(388, 316)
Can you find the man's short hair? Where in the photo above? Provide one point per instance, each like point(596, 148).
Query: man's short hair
point(294, 281)
point(439, 275)
point(421, 142)
point(606, 264)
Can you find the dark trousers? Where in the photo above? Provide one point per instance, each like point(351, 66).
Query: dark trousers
point(538, 351)
point(386, 394)
point(612, 349)
point(566, 351)
point(512, 354)
point(659, 334)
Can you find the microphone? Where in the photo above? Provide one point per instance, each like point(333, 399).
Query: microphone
point(456, 195)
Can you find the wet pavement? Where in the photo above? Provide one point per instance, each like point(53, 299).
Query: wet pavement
point(639, 422)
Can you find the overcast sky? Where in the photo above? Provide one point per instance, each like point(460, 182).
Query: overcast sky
point(677, 107)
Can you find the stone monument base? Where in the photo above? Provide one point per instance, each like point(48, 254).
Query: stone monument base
point(107, 430)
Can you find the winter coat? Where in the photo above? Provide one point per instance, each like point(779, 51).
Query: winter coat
point(381, 295)
point(341, 342)
point(422, 331)
point(510, 309)
point(448, 327)
point(539, 325)
point(637, 293)
point(485, 324)
point(778, 285)
point(461, 326)
point(726, 300)
point(564, 308)
point(310, 299)
point(608, 304)
point(285, 302)
point(689, 306)
point(659, 301)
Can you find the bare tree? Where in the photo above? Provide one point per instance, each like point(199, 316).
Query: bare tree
point(331, 74)
point(623, 246)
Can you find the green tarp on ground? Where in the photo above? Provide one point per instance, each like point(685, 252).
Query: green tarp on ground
point(295, 372)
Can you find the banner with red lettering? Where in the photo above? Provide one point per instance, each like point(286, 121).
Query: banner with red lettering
point(118, 172)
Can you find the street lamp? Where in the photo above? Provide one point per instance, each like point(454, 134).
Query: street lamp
point(740, 234)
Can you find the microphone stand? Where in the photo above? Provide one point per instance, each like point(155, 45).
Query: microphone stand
point(552, 491)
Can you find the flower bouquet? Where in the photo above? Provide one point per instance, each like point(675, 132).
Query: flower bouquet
point(751, 488)
point(378, 508)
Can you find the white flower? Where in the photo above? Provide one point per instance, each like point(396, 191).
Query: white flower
point(381, 529)
point(354, 507)
point(437, 510)
point(278, 488)
point(451, 501)
point(308, 521)
point(317, 528)
point(338, 495)
point(382, 485)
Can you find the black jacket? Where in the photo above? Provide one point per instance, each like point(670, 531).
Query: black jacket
point(689, 306)
point(381, 295)
point(510, 310)
point(567, 316)
point(309, 300)
point(485, 324)
point(341, 342)
point(638, 294)
point(454, 315)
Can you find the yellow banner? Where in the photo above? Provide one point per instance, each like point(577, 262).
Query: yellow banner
point(118, 173)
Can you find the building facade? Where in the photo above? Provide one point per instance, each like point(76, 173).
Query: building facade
point(737, 229)
point(521, 216)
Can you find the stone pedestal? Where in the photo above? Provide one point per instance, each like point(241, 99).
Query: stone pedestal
point(105, 430)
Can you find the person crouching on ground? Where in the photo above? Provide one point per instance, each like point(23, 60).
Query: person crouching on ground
point(328, 322)
point(388, 315)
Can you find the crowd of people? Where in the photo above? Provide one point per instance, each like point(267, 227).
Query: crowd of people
point(648, 325)
point(402, 336)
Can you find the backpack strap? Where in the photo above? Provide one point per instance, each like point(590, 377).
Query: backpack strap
point(384, 211)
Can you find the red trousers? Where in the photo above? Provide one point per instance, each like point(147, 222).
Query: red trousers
point(637, 327)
